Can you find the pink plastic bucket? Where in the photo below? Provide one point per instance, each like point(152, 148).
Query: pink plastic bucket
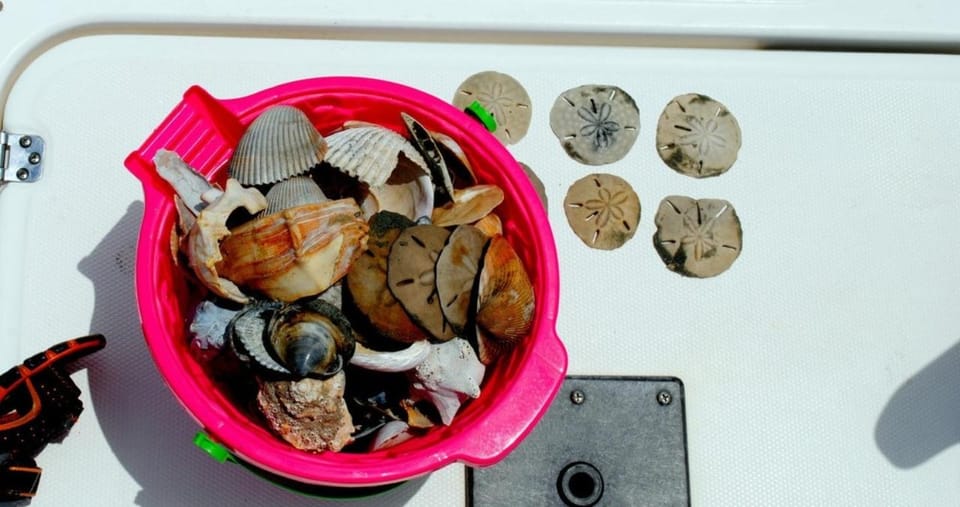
point(517, 390)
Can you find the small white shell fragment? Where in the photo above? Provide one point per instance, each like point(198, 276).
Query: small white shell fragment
point(209, 325)
point(203, 240)
point(398, 361)
point(408, 191)
point(451, 366)
point(447, 402)
point(391, 434)
point(195, 191)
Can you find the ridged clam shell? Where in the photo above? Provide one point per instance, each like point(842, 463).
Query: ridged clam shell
point(293, 192)
point(505, 301)
point(280, 143)
point(370, 153)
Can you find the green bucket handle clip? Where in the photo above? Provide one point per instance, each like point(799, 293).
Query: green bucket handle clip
point(216, 450)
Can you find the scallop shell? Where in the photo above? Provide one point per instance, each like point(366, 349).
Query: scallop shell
point(280, 143)
point(293, 192)
point(370, 153)
point(297, 252)
point(505, 301)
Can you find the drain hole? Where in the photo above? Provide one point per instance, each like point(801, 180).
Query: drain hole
point(580, 485)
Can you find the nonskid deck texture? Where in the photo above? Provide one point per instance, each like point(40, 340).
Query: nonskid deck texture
point(797, 362)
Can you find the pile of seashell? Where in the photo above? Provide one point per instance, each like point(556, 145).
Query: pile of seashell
point(359, 282)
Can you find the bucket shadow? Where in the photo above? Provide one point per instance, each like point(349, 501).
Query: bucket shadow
point(923, 416)
point(148, 431)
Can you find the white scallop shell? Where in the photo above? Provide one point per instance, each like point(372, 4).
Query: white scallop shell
point(293, 192)
point(280, 143)
point(370, 153)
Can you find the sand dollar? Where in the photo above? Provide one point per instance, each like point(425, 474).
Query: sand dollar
point(503, 97)
point(697, 136)
point(603, 210)
point(698, 238)
point(596, 124)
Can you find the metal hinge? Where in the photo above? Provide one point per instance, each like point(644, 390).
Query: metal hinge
point(21, 157)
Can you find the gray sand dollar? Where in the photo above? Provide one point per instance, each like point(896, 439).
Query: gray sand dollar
point(596, 124)
point(697, 238)
point(697, 136)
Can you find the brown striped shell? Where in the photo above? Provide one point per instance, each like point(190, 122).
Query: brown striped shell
point(297, 252)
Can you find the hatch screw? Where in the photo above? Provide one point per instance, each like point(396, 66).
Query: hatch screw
point(664, 398)
point(23, 174)
point(34, 158)
point(577, 397)
point(26, 141)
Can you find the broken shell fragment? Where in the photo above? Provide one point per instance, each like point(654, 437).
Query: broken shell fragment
point(411, 277)
point(370, 153)
point(457, 269)
point(204, 238)
point(490, 225)
point(603, 210)
point(503, 97)
point(596, 124)
point(367, 281)
point(468, 206)
point(297, 252)
point(391, 362)
point(451, 366)
point(697, 238)
point(391, 434)
point(537, 185)
point(293, 192)
point(311, 338)
point(697, 136)
point(280, 143)
point(209, 325)
point(192, 188)
point(505, 301)
point(409, 191)
point(309, 413)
